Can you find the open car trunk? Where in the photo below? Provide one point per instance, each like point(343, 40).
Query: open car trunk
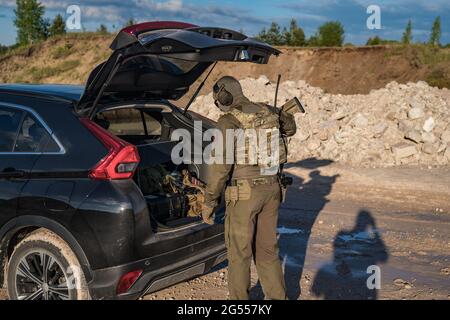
point(157, 61)
point(173, 192)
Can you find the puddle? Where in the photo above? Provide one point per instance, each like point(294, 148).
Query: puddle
point(364, 236)
point(284, 230)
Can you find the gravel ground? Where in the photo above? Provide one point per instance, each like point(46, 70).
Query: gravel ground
point(339, 220)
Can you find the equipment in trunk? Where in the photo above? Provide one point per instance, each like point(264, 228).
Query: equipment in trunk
point(172, 192)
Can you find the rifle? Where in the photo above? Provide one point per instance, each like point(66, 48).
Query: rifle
point(293, 106)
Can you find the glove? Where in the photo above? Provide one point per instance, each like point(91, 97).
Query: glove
point(207, 214)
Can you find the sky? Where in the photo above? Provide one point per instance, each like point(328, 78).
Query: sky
point(251, 16)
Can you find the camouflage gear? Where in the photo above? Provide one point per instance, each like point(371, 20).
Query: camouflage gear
point(266, 118)
point(252, 200)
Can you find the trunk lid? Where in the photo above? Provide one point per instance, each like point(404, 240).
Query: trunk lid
point(161, 60)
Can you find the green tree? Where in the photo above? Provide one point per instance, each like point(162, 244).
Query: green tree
point(407, 35)
point(331, 34)
point(313, 41)
point(102, 29)
point(375, 41)
point(58, 26)
point(3, 49)
point(435, 36)
point(130, 22)
point(30, 22)
point(295, 36)
point(272, 36)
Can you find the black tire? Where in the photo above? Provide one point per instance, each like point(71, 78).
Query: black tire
point(63, 278)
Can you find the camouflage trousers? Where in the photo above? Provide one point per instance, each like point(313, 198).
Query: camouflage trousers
point(250, 232)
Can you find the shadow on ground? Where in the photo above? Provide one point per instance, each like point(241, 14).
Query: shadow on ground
point(354, 250)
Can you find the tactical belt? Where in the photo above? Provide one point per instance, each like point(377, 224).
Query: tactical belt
point(255, 181)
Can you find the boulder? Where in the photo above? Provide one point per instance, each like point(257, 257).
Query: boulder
point(414, 136)
point(429, 148)
point(415, 113)
point(403, 150)
point(360, 121)
point(428, 137)
point(429, 125)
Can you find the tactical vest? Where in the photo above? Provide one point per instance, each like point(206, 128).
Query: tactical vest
point(260, 153)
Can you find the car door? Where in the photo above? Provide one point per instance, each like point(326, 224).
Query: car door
point(13, 167)
point(23, 139)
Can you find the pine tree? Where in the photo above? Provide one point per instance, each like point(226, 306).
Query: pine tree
point(130, 22)
point(407, 35)
point(272, 36)
point(30, 22)
point(58, 26)
point(435, 36)
point(296, 35)
point(102, 29)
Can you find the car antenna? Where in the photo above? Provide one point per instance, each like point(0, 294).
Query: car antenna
point(198, 89)
point(276, 90)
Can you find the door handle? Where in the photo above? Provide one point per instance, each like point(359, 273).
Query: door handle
point(10, 173)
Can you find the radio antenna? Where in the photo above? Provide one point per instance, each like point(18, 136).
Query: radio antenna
point(276, 91)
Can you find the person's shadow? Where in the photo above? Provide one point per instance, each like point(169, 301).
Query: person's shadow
point(304, 202)
point(356, 255)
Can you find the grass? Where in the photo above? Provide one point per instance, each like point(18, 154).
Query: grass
point(62, 51)
point(38, 74)
point(439, 79)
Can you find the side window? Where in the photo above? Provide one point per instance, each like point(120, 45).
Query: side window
point(130, 122)
point(153, 125)
point(33, 137)
point(9, 125)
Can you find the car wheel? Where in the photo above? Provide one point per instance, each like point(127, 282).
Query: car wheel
point(43, 267)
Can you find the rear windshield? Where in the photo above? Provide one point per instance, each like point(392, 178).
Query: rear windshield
point(161, 64)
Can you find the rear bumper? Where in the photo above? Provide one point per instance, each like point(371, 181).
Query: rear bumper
point(104, 283)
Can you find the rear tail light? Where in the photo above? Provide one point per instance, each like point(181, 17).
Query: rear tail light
point(122, 158)
point(127, 281)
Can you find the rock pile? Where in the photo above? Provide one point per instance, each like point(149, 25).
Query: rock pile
point(396, 125)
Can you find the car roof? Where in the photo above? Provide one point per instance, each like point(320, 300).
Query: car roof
point(62, 91)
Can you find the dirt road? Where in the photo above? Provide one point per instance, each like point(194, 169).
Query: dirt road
point(332, 228)
point(339, 221)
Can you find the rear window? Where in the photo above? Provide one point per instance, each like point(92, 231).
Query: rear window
point(9, 124)
point(161, 64)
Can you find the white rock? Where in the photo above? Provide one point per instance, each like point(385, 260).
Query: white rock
point(415, 113)
point(360, 121)
point(428, 125)
point(403, 150)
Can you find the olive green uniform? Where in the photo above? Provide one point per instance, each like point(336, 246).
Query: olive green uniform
point(251, 221)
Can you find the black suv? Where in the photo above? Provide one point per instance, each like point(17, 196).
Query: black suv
point(83, 212)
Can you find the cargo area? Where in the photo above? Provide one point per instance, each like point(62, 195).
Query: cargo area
point(173, 192)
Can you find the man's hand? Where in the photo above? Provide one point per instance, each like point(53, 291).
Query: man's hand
point(207, 214)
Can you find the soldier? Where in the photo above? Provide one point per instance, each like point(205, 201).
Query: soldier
point(252, 198)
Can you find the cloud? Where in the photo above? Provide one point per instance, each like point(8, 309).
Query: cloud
point(119, 11)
